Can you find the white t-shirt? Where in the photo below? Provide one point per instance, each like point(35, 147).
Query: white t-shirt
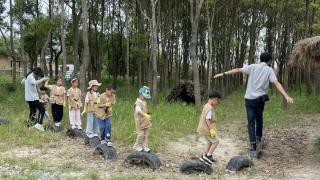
point(209, 115)
point(30, 88)
point(86, 100)
point(259, 77)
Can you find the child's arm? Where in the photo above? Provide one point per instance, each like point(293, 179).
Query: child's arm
point(140, 112)
point(46, 84)
point(99, 104)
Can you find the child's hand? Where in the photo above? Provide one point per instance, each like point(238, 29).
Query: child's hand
point(213, 133)
point(108, 104)
point(147, 116)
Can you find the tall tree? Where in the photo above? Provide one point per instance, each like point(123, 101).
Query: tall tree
point(86, 53)
point(14, 67)
point(195, 9)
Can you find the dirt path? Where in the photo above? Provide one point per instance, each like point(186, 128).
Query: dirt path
point(288, 154)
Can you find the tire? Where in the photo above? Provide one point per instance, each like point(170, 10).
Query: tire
point(195, 166)
point(49, 127)
point(108, 153)
point(92, 142)
point(238, 162)
point(75, 133)
point(143, 158)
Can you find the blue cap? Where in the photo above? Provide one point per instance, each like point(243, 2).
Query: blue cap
point(145, 91)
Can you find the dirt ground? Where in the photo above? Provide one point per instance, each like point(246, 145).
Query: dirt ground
point(288, 154)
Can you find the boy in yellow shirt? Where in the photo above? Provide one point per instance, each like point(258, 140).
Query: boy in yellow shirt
point(104, 112)
point(207, 127)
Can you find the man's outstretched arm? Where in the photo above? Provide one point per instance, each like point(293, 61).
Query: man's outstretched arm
point(283, 92)
point(233, 71)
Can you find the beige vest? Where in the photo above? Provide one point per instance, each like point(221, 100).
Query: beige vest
point(92, 104)
point(203, 128)
point(74, 98)
point(143, 123)
point(57, 94)
point(101, 111)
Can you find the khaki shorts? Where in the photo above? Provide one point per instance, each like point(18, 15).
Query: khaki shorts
point(211, 140)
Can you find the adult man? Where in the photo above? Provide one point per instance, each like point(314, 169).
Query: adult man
point(256, 94)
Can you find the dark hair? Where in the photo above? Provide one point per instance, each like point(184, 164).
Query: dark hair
point(265, 57)
point(43, 88)
point(57, 78)
point(37, 72)
point(214, 94)
point(111, 87)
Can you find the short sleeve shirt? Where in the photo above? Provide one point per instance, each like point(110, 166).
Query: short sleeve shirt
point(260, 75)
point(30, 88)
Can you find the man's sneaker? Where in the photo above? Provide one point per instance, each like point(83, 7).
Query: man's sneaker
point(103, 142)
point(39, 127)
point(139, 149)
point(207, 160)
point(146, 149)
point(253, 147)
point(57, 124)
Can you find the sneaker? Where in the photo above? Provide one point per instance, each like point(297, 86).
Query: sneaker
point(57, 124)
point(139, 149)
point(39, 127)
point(109, 143)
point(103, 142)
point(209, 159)
point(253, 147)
point(205, 161)
point(146, 150)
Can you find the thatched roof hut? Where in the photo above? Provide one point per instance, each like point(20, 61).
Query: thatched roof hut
point(306, 53)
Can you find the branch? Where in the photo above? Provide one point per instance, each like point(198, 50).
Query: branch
point(142, 12)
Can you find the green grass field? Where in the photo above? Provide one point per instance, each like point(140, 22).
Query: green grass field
point(170, 121)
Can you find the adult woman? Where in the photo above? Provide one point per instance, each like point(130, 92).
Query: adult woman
point(31, 82)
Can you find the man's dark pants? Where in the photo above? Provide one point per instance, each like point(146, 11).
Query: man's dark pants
point(255, 109)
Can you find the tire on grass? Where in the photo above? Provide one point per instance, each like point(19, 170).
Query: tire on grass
point(108, 153)
point(237, 163)
point(92, 142)
point(143, 159)
point(75, 133)
point(195, 166)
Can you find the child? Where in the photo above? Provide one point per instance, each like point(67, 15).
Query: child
point(142, 120)
point(44, 99)
point(74, 103)
point(104, 113)
point(90, 108)
point(57, 100)
point(207, 127)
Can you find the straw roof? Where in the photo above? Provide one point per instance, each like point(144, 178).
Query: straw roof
point(306, 53)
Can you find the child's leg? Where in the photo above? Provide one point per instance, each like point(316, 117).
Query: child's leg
point(140, 140)
point(95, 125)
point(60, 113)
point(212, 148)
point(42, 111)
point(206, 148)
point(78, 118)
point(54, 112)
point(108, 129)
point(89, 128)
point(72, 118)
point(102, 127)
point(145, 138)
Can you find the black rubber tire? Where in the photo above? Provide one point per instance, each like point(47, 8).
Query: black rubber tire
point(238, 162)
point(143, 159)
point(49, 127)
point(195, 166)
point(75, 133)
point(92, 142)
point(108, 153)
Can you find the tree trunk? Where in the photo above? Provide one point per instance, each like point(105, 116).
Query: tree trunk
point(14, 68)
point(86, 53)
point(63, 39)
point(127, 53)
point(195, 16)
point(75, 45)
point(154, 51)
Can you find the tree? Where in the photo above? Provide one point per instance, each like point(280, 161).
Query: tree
point(86, 53)
point(195, 9)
